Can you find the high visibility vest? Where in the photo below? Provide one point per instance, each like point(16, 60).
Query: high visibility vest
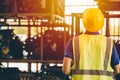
point(92, 57)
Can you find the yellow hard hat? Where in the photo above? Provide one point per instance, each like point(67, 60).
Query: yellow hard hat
point(93, 19)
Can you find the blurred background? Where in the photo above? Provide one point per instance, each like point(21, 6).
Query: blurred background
point(34, 33)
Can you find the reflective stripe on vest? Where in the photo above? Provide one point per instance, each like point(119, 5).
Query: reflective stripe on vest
point(92, 72)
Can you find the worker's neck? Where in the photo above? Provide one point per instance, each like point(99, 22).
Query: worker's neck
point(93, 33)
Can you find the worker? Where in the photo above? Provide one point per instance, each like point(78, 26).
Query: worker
point(91, 56)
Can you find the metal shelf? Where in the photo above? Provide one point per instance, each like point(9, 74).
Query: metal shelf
point(32, 61)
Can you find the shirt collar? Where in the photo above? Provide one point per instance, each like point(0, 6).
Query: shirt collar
point(92, 33)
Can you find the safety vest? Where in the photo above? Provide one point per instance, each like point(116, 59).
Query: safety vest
point(92, 57)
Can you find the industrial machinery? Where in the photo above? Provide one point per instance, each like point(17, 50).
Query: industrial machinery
point(10, 45)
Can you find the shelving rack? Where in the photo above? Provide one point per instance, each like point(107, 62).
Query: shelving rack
point(45, 16)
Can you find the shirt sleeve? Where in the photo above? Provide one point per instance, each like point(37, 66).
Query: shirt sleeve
point(68, 50)
point(115, 57)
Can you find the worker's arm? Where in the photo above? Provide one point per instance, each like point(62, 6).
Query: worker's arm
point(117, 69)
point(115, 60)
point(66, 65)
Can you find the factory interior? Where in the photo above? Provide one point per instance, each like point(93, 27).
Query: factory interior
point(34, 34)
